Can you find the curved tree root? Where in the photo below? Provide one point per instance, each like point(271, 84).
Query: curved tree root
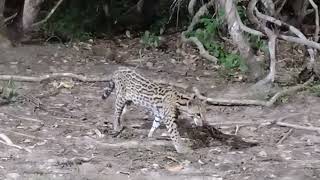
point(202, 51)
point(269, 103)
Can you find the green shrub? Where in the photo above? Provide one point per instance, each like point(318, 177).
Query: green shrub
point(150, 40)
point(207, 33)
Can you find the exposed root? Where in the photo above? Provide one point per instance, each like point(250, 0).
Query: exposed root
point(250, 123)
point(316, 11)
point(273, 59)
point(294, 30)
point(202, 51)
point(51, 76)
point(269, 103)
point(316, 33)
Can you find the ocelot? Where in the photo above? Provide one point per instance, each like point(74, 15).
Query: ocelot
point(164, 101)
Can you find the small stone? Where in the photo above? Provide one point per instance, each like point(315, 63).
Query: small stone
point(128, 34)
point(27, 141)
point(90, 41)
point(12, 176)
point(76, 48)
point(309, 142)
point(175, 168)
point(52, 161)
point(145, 170)
point(201, 162)
point(155, 166)
point(173, 61)
point(149, 64)
point(262, 154)
point(14, 63)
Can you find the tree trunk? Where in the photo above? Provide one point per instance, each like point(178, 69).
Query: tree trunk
point(30, 11)
point(255, 70)
point(4, 42)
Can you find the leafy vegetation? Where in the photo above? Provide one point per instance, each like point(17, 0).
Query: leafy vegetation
point(77, 19)
point(257, 43)
point(315, 89)
point(150, 39)
point(207, 34)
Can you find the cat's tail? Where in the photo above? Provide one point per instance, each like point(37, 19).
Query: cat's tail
point(107, 90)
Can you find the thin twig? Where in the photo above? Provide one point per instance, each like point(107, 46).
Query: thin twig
point(285, 136)
point(49, 15)
point(51, 76)
point(280, 7)
point(10, 17)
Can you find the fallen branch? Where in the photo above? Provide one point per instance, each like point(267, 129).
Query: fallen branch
point(248, 123)
point(48, 16)
point(21, 134)
point(308, 128)
point(24, 118)
point(269, 103)
point(51, 76)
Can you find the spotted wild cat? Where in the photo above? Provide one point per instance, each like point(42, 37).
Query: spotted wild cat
point(164, 101)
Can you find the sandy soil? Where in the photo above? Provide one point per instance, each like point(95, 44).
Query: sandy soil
point(62, 142)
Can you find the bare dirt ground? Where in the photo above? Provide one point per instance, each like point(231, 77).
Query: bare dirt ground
point(61, 141)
